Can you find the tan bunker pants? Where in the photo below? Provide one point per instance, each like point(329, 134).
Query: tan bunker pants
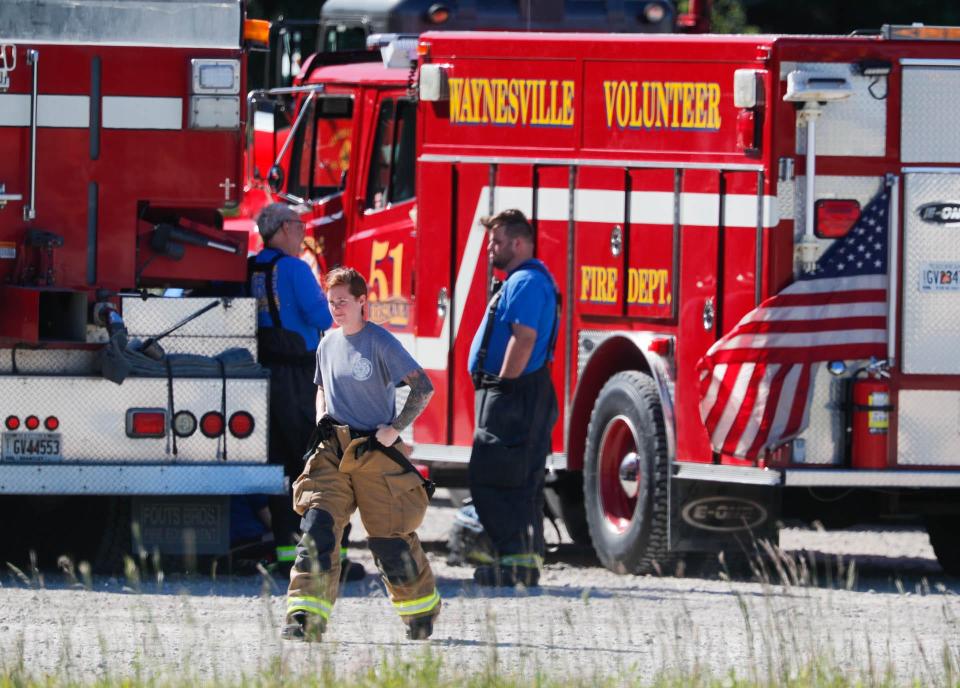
point(392, 505)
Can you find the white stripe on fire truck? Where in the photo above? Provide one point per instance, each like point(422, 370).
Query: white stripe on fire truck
point(52, 111)
point(142, 112)
point(73, 112)
point(590, 205)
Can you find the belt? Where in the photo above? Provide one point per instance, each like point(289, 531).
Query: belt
point(326, 431)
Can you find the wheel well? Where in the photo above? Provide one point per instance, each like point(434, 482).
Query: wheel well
point(613, 356)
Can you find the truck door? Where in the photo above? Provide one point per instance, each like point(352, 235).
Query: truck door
point(699, 315)
point(381, 242)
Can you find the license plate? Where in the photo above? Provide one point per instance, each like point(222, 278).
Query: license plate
point(31, 446)
point(940, 277)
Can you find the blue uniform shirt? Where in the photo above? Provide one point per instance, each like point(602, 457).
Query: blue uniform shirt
point(528, 298)
point(302, 304)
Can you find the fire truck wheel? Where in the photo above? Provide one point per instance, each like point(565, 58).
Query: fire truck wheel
point(625, 477)
point(945, 541)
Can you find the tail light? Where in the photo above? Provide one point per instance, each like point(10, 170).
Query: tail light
point(146, 422)
point(241, 424)
point(211, 424)
point(51, 423)
point(835, 217)
point(32, 422)
point(12, 423)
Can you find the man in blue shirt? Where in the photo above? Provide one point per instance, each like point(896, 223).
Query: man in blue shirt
point(515, 404)
point(291, 315)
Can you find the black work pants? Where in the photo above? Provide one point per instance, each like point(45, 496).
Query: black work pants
point(293, 416)
point(514, 422)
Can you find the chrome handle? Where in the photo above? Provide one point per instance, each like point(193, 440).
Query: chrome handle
point(709, 313)
point(443, 302)
point(616, 241)
point(30, 210)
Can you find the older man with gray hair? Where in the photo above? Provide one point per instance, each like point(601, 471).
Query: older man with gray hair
point(291, 315)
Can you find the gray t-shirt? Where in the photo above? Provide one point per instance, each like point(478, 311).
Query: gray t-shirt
point(359, 374)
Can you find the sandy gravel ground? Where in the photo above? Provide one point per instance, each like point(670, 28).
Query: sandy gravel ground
point(899, 613)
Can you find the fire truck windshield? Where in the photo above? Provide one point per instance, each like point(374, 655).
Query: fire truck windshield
point(198, 23)
point(321, 148)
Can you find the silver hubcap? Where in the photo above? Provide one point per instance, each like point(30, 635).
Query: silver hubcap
point(630, 474)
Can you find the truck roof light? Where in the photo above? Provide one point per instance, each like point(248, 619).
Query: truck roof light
point(423, 49)
point(804, 87)
point(397, 50)
point(32, 422)
point(241, 424)
point(835, 217)
point(146, 422)
point(256, 32)
point(12, 423)
point(438, 13)
point(211, 424)
point(919, 32)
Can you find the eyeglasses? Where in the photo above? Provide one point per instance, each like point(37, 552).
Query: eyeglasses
point(338, 303)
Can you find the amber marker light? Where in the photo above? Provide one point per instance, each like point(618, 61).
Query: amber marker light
point(256, 32)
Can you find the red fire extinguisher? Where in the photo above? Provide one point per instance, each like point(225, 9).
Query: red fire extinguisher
point(870, 422)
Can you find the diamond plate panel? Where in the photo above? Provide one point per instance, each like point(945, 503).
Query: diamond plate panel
point(822, 441)
point(152, 316)
point(928, 428)
point(931, 319)
point(930, 130)
point(207, 346)
point(856, 126)
point(92, 414)
point(49, 361)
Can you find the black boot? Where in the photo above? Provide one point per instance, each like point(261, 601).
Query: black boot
point(506, 576)
point(305, 627)
point(420, 628)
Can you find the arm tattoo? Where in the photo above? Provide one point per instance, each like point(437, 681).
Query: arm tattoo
point(421, 389)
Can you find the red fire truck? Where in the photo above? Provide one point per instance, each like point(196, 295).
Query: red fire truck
point(120, 132)
point(689, 193)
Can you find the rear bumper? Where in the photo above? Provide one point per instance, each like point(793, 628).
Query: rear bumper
point(140, 479)
point(833, 477)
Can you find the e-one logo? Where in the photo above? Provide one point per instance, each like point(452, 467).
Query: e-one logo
point(724, 514)
point(940, 213)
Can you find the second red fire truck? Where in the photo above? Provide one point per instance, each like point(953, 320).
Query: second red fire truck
point(754, 237)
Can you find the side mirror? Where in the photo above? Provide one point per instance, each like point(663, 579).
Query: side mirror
point(275, 178)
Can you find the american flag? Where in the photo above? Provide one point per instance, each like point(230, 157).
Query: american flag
point(756, 382)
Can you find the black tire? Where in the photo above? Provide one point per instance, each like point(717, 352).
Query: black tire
point(570, 507)
point(945, 540)
point(629, 534)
